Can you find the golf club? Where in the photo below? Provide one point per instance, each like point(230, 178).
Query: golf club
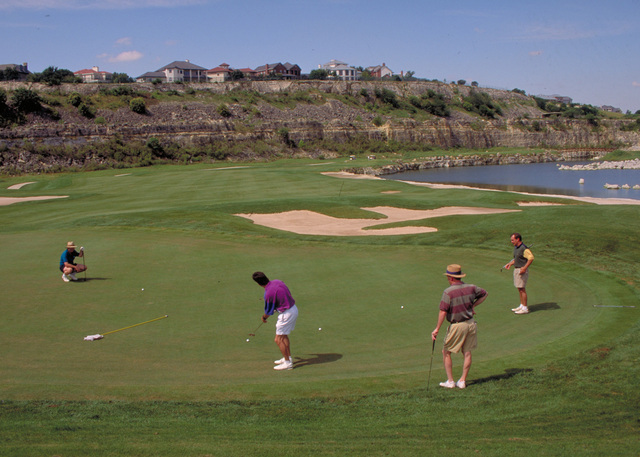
point(254, 332)
point(84, 262)
point(433, 347)
point(99, 336)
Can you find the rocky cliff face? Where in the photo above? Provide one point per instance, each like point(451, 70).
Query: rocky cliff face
point(318, 116)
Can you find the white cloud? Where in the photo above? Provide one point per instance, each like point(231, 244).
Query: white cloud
point(128, 56)
point(95, 4)
point(535, 53)
point(124, 41)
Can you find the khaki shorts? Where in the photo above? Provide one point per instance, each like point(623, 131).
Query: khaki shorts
point(461, 336)
point(520, 281)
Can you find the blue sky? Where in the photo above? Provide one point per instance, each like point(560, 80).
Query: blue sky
point(588, 50)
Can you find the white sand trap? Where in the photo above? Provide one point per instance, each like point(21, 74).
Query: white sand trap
point(225, 168)
point(4, 201)
point(20, 186)
point(344, 174)
point(390, 191)
point(539, 204)
point(306, 222)
point(123, 174)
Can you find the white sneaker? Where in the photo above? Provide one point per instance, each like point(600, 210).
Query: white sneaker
point(517, 309)
point(279, 361)
point(284, 366)
point(461, 385)
point(65, 278)
point(523, 310)
point(73, 276)
point(448, 384)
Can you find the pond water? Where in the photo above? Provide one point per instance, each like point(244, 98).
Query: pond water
point(538, 178)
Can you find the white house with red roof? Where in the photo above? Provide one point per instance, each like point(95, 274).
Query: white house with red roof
point(219, 74)
point(94, 75)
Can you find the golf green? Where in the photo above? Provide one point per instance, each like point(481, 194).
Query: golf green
point(164, 240)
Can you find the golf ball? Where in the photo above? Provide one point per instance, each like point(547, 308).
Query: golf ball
point(400, 307)
point(247, 340)
point(319, 329)
point(143, 288)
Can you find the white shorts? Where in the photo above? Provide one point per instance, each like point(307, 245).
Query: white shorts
point(287, 321)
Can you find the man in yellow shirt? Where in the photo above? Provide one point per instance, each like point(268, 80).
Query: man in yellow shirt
point(522, 259)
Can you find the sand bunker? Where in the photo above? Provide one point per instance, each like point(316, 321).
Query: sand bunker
point(4, 201)
point(20, 186)
point(311, 223)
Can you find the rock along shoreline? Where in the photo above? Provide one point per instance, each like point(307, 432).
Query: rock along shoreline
point(480, 160)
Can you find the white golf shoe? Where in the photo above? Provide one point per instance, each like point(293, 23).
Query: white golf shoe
point(461, 385)
point(517, 309)
point(287, 365)
point(73, 276)
point(65, 278)
point(523, 310)
point(448, 384)
point(279, 361)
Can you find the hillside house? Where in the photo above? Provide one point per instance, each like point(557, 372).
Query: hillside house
point(380, 71)
point(341, 70)
point(21, 72)
point(287, 70)
point(94, 75)
point(178, 71)
point(219, 74)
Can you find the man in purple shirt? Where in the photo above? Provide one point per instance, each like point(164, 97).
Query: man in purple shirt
point(457, 306)
point(278, 298)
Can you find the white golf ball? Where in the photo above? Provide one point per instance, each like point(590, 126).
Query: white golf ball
point(143, 288)
point(247, 340)
point(402, 307)
point(319, 329)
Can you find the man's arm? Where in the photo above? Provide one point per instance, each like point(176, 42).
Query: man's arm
point(441, 317)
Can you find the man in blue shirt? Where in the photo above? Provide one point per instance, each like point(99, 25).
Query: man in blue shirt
point(277, 297)
point(67, 265)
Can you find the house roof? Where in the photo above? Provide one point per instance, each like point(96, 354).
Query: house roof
point(88, 71)
point(219, 70)
point(335, 63)
point(271, 66)
point(153, 74)
point(289, 66)
point(13, 66)
point(182, 65)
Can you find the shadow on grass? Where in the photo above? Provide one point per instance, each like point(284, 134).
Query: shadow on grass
point(92, 279)
point(315, 359)
point(543, 307)
point(508, 373)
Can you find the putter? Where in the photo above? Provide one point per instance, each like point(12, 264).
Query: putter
point(84, 262)
point(254, 332)
point(99, 336)
point(433, 347)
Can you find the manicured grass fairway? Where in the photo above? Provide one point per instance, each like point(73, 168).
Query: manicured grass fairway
point(171, 231)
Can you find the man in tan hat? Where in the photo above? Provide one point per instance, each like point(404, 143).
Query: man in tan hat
point(457, 307)
point(67, 265)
